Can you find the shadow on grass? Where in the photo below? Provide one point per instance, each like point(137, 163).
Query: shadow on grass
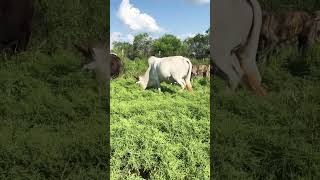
point(167, 90)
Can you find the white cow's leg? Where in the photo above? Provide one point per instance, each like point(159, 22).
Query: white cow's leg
point(252, 75)
point(158, 85)
point(182, 83)
point(231, 67)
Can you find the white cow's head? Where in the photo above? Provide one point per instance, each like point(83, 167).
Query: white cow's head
point(142, 81)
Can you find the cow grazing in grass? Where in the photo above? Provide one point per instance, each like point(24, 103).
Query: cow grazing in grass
point(288, 27)
point(235, 36)
point(99, 60)
point(201, 70)
point(168, 69)
point(15, 23)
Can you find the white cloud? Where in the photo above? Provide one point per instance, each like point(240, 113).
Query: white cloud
point(130, 38)
point(115, 36)
point(199, 1)
point(187, 35)
point(119, 37)
point(135, 19)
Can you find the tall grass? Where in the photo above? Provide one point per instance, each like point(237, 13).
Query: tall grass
point(52, 123)
point(277, 136)
point(285, 5)
point(61, 23)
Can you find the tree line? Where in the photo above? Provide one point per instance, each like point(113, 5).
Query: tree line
point(197, 47)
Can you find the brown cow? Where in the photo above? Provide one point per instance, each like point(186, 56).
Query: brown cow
point(201, 70)
point(116, 65)
point(287, 27)
point(15, 23)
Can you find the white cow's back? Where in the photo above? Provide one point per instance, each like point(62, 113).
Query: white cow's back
point(170, 67)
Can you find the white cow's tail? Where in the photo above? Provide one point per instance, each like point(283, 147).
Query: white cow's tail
point(188, 78)
point(249, 50)
point(255, 79)
point(254, 34)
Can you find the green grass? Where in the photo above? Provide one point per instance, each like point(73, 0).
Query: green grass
point(272, 137)
point(52, 124)
point(158, 135)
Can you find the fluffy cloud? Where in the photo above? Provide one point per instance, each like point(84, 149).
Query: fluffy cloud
point(185, 36)
point(130, 38)
point(114, 36)
point(135, 19)
point(119, 37)
point(199, 1)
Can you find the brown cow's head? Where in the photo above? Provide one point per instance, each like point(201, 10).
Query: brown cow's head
point(194, 71)
point(116, 65)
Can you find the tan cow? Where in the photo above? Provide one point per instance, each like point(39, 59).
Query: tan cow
point(201, 70)
point(288, 27)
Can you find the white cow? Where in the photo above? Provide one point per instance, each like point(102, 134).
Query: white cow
point(236, 28)
point(168, 69)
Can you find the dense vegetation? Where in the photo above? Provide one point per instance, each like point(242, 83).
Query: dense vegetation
point(286, 5)
point(144, 46)
point(159, 135)
point(52, 123)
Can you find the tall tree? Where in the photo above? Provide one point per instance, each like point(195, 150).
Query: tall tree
point(124, 49)
point(199, 46)
point(167, 45)
point(142, 44)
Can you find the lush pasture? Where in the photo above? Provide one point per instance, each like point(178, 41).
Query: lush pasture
point(277, 136)
point(159, 135)
point(52, 124)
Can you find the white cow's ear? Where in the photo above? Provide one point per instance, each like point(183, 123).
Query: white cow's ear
point(138, 82)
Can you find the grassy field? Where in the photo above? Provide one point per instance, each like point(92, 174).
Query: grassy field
point(159, 135)
point(52, 124)
point(274, 137)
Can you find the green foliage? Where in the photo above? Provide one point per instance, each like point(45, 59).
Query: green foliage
point(142, 45)
point(198, 46)
point(167, 45)
point(272, 137)
point(158, 135)
point(59, 24)
point(281, 5)
point(124, 49)
point(52, 122)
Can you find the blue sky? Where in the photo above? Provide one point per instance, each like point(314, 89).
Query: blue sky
point(182, 18)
